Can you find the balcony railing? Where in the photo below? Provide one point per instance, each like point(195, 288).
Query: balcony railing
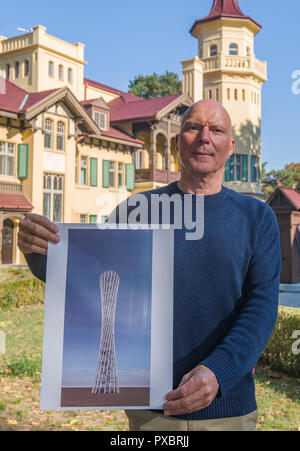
point(236, 64)
point(156, 175)
point(12, 187)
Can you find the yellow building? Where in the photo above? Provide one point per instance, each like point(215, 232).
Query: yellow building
point(67, 141)
point(227, 70)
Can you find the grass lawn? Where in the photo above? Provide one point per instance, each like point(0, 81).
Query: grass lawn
point(278, 396)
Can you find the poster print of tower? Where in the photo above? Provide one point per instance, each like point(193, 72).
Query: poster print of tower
point(106, 380)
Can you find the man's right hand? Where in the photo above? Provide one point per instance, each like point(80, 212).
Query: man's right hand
point(34, 234)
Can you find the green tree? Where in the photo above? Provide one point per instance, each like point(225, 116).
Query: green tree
point(288, 178)
point(150, 86)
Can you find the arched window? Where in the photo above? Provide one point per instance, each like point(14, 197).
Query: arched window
point(51, 69)
point(213, 50)
point(60, 136)
point(26, 68)
point(233, 49)
point(17, 69)
point(48, 134)
point(60, 73)
point(70, 76)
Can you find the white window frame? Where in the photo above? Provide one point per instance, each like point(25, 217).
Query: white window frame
point(60, 135)
point(7, 152)
point(236, 168)
point(83, 167)
point(53, 185)
point(112, 174)
point(48, 130)
point(101, 120)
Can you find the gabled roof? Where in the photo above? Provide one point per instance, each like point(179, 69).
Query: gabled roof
point(291, 195)
point(122, 111)
point(225, 9)
point(126, 95)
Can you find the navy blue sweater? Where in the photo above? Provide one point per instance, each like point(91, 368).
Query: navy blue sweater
point(226, 288)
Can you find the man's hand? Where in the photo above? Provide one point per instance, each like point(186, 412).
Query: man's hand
point(34, 234)
point(197, 390)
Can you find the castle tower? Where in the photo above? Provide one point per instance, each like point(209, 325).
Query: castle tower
point(106, 373)
point(233, 76)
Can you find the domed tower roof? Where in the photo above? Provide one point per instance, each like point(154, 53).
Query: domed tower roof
point(225, 9)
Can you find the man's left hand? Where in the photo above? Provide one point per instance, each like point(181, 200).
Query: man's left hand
point(197, 390)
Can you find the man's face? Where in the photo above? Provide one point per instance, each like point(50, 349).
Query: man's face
point(205, 141)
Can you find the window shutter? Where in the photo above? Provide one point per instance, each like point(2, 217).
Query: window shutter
point(227, 171)
point(259, 171)
point(245, 168)
point(93, 219)
point(105, 174)
point(23, 161)
point(93, 171)
point(253, 168)
point(130, 177)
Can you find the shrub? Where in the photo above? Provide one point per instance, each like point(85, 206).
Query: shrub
point(21, 292)
point(279, 353)
point(24, 366)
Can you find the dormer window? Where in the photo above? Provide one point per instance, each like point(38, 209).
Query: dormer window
point(233, 50)
point(101, 120)
point(213, 50)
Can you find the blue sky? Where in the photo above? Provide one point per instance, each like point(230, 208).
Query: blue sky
point(127, 38)
point(89, 256)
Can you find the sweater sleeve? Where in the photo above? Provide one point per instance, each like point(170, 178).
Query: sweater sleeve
point(240, 350)
point(37, 264)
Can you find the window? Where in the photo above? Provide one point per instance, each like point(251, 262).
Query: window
point(53, 197)
point(100, 119)
point(228, 93)
point(235, 94)
point(7, 159)
point(60, 136)
point(210, 94)
point(7, 71)
point(51, 69)
point(17, 69)
point(112, 174)
point(138, 159)
point(120, 175)
point(26, 68)
point(60, 73)
point(243, 95)
point(48, 134)
point(70, 76)
point(217, 94)
point(233, 49)
point(83, 219)
point(213, 50)
point(83, 170)
point(235, 168)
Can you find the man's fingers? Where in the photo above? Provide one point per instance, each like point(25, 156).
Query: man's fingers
point(188, 385)
point(27, 239)
point(188, 405)
point(29, 249)
point(27, 226)
point(43, 221)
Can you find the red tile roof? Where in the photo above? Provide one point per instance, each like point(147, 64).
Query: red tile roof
point(224, 8)
point(123, 111)
point(11, 96)
point(14, 201)
point(15, 99)
point(96, 84)
point(293, 196)
point(117, 134)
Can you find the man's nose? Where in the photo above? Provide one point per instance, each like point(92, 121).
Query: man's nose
point(204, 133)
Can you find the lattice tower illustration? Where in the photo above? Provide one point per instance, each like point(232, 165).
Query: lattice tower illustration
point(106, 380)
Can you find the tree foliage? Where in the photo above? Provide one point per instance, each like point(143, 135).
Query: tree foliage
point(150, 86)
point(289, 177)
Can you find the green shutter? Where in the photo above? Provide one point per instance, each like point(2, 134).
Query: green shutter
point(253, 168)
point(130, 177)
point(93, 171)
point(93, 219)
point(245, 168)
point(259, 170)
point(23, 161)
point(105, 174)
point(227, 171)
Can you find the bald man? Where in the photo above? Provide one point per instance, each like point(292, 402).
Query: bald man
point(226, 285)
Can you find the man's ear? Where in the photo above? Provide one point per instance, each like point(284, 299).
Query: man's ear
point(232, 147)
